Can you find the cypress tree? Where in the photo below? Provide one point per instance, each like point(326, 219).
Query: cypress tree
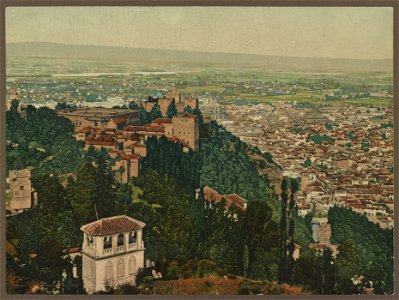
point(172, 110)
point(291, 228)
point(283, 232)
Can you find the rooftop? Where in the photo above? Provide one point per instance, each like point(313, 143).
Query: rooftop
point(95, 111)
point(111, 225)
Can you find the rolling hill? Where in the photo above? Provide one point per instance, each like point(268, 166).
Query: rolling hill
point(142, 55)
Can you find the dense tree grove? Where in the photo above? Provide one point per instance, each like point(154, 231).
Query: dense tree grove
point(222, 163)
point(373, 246)
point(41, 139)
point(179, 227)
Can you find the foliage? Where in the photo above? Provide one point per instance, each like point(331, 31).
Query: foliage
point(307, 163)
point(144, 118)
point(320, 139)
point(155, 113)
point(172, 110)
point(63, 105)
point(363, 244)
point(41, 139)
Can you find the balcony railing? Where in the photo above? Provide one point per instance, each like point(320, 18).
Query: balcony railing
point(133, 246)
point(120, 249)
point(107, 251)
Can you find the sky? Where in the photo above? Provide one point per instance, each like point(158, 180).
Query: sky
point(346, 32)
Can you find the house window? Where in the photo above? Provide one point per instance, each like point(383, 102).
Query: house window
point(90, 240)
point(132, 265)
point(132, 237)
point(121, 268)
point(121, 240)
point(108, 242)
point(109, 275)
point(21, 187)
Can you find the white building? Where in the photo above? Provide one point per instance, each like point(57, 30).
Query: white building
point(112, 252)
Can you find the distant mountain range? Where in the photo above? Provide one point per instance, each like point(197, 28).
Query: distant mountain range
point(142, 55)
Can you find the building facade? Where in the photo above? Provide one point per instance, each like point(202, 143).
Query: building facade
point(20, 189)
point(186, 128)
point(100, 117)
point(112, 252)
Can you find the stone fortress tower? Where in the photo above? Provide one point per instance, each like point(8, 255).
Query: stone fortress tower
point(20, 190)
point(112, 252)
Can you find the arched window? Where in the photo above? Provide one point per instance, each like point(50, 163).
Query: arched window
point(132, 265)
point(108, 242)
point(121, 268)
point(132, 237)
point(121, 240)
point(90, 240)
point(109, 275)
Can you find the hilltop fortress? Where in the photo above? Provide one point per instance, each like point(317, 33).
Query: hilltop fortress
point(173, 96)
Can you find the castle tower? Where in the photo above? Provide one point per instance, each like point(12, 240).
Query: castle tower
point(186, 128)
point(20, 189)
point(174, 94)
point(112, 252)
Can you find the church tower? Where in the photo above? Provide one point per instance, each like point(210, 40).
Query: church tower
point(112, 252)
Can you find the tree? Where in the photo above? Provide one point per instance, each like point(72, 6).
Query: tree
point(144, 118)
point(51, 194)
point(172, 110)
point(175, 235)
point(197, 112)
point(14, 106)
point(291, 228)
point(133, 105)
point(188, 109)
point(329, 273)
point(155, 113)
point(50, 261)
point(348, 265)
point(260, 230)
point(307, 163)
point(81, 194)
point(245, 260)
point(104, 194)
point(283, 232)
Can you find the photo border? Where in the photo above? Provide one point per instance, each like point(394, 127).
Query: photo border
point(272, 3)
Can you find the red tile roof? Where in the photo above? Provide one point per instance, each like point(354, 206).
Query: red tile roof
point(212, 195)
point(187, 115)
point(85, 129)
point(119, 119)
point(71, 250)
point(138, 145)
point(111, 225)
point(130, 156)
point(162, 121)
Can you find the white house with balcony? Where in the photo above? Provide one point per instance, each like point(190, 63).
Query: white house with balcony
point(112, 252)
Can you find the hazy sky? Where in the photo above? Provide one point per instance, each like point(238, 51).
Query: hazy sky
point(321, 32)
